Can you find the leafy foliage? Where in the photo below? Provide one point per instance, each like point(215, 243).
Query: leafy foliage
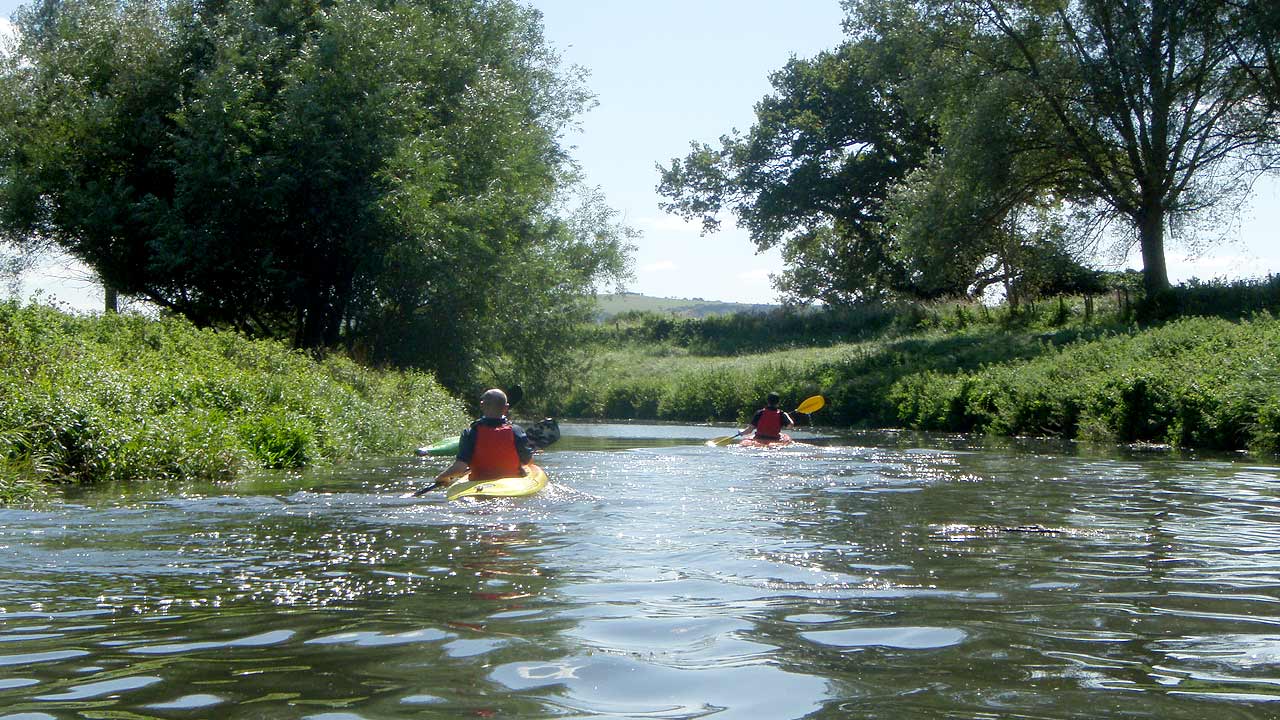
point(323, 171)
point(949, 145)
point(811, 175)
point(1197, 382)
point(126, 398)
point(1078, 369)
point(1146, 104)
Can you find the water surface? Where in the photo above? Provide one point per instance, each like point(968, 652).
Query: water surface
point(875, 576)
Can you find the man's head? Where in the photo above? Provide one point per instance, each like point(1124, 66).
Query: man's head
point(772, 400)
point(493, 403)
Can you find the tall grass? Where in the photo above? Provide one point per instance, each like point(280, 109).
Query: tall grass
point(633, 375)
point(789, 328)
point(748, 332)
point(1097, 368)
point(89, 399)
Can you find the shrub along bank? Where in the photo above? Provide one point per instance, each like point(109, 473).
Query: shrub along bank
point(1195, 382)
point(88, 399)
point(1057, 370)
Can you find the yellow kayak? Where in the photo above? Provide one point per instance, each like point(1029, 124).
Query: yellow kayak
point(533, 480)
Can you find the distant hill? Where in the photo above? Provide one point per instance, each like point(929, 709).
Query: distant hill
point(617, 304)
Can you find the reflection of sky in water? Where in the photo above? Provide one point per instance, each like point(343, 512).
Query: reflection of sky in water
point(1243, 651)
point(875, 575)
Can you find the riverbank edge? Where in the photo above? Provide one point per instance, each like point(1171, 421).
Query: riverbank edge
point(1194, 382)
point(125, 398)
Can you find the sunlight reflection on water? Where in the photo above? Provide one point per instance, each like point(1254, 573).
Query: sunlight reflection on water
point(880, 575)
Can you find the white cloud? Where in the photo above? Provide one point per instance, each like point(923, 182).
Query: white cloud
point(7, 31)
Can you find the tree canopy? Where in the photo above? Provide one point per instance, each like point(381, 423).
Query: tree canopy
point(1153, 106)
point(950, 144)
point(365, 171)
point(812, 174)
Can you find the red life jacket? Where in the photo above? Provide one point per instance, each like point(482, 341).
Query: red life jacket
point(495, 452)
point(769, 426)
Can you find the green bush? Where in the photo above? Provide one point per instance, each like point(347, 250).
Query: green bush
point(279, 441)
point(89, 399)
point(1196, 382)
point(1063, 367)
point(625, 402)
point(1264, 434)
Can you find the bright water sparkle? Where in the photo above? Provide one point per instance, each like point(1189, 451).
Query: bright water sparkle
point(870, 577)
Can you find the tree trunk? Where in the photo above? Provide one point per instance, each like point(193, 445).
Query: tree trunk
point(311, 331)
point(319, 322)
point(1155, 276)
point(110, 299)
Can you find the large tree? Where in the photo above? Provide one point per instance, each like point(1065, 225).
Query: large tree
point(304, 169)
point(1257, 49)
point(946, 144)
point(889, 166)
point(976, 213)
point(813, 172)
point(1153, 106)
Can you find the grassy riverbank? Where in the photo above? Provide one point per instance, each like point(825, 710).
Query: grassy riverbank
point(1066, 368)
point(89, 399)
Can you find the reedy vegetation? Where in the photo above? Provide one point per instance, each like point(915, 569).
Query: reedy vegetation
point(89, 399)
point(1207, 379)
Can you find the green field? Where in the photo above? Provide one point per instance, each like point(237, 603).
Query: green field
point(619, 303)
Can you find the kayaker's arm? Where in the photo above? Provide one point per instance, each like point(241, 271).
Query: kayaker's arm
point(457, 469)
point(523, 448)
point(445, 478)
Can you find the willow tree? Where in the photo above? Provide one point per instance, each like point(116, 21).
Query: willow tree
point(311, 170)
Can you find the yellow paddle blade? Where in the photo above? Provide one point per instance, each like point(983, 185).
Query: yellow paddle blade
point(813, 404)
point(721, 441)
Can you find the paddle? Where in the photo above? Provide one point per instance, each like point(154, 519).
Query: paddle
point(810, 405)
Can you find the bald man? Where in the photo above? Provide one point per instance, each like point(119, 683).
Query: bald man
point(491, 448)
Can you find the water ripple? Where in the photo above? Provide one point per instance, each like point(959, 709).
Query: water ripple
point(893, 576)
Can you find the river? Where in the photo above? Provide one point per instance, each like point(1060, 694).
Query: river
point(868, 576)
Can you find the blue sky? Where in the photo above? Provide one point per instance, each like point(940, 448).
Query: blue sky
point(668, 72)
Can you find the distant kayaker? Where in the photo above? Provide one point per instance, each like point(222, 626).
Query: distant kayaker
point(768, 421)
point(491, 448)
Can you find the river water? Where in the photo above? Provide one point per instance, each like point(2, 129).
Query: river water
point(871, 576)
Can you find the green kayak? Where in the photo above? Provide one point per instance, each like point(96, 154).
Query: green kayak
point(444, 447)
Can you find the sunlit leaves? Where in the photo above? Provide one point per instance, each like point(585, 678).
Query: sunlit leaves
point(327, 172)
